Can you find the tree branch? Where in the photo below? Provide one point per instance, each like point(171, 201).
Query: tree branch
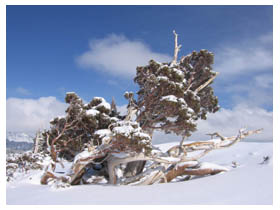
point(176, 48)
point(206, 83)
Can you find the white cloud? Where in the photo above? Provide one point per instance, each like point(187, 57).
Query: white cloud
point(117, 55)
point(227, 122)
point(264, 80)
point(29, 115)
point(257, 90)
point(248, 56)
point(266, 38)
point(23, 91)
point(246, 71)
point(122, 109)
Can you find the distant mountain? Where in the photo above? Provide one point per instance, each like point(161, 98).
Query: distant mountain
point(18, 146)
point(18, 141)
point(19, 137)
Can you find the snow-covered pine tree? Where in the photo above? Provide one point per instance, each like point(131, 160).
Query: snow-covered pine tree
point(72, 133)
point(172, 97)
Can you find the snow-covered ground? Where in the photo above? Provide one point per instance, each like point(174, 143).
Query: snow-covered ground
point(249, 183)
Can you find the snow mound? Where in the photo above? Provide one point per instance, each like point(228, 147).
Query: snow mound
point(248, 182)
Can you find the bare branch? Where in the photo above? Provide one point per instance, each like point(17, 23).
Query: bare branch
point(176, 48)
point(217, 135)
point(131, 111)
point(206, 83)
point(241, 135)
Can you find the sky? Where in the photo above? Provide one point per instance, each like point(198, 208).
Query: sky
point(94, 51)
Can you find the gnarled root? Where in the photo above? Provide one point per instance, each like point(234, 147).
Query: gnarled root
point(193, 168)
point(48, 176)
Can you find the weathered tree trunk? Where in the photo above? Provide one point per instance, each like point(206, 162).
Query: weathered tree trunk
point(134, 168)
point(36, 144)
point(113, 161)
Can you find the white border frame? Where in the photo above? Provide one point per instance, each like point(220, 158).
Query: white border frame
point(276, 82)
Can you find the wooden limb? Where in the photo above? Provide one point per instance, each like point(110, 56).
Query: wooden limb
point(205, 169)
point(36, 143)
point(193, 169)
point(149, 173)
point(78, 168)
point(176, 48)
point(206, 83)
point(181, 148)
point(196, 157)
point(178, 170)
point(113, 161)
point(217, 135)
point(134, 168)
point(241, 135)
point(212, 144)
point(45, 178)
point(49, 176)
point(203, 172)
point(131, 111)
point(153, 178)
point(48, 143)
point(196, 146)
point(182, 141)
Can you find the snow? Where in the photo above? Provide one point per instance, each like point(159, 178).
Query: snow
point(92, 112)
point(189, 163)
point(179, 72)
point(141, 135)
point(171, 98)
point(171, 159)
point(190, 110)
point(162, 78)
point(82, 155)
point(103, 132)
point(250, 183)
point(182, 101)
point(172, 119)
point(212, 166)
point(124, 130)
point(104, 104)
point(115, 119)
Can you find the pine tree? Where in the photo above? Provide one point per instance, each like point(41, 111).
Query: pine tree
point(172, 97)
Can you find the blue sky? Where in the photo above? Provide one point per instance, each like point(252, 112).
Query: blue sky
point(93, 50)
